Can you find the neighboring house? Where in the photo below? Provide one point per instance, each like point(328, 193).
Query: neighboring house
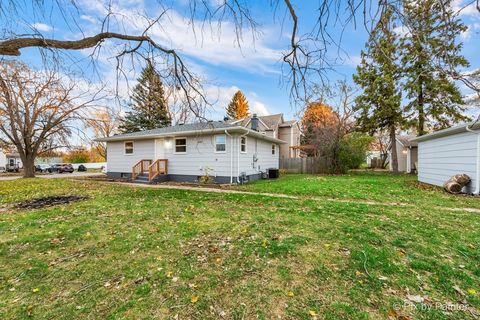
point(275, 126)
point(407, 154)
point(448, 152)
point(227, 152)
point(11, 160)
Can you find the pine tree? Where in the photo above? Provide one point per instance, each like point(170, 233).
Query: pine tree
point(429, 49)
point(238, 107)
point(378, 75)
point(149, 107)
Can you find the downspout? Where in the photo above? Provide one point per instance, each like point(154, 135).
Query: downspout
point(231, 156)
point(477, 178)
point(238, 155)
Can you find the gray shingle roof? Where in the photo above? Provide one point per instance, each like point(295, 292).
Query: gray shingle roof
point(199, 126)
point(408, 141)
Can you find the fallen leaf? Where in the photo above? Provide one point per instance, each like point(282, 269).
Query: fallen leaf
point(264, 243)
point(392, 313)
point(472, 291)
point(290, 293)
point(313, 313)
point(35, 290)
point(194, 299)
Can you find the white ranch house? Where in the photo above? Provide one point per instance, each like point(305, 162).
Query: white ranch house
point(228, 152)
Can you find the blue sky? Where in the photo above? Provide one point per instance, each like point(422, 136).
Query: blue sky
point(254, 68)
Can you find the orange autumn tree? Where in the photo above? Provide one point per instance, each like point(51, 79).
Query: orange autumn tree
point(317, 116)
point(238, 107)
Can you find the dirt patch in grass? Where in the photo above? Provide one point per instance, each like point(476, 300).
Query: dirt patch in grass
point(48, 202)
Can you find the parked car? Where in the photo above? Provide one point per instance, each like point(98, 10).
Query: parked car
point(81, 168)
point(43, 168)
point(62, 167)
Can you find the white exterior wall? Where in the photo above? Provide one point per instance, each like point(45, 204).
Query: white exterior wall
point(3, 159)
point(199, 158)
point(441, 158)
point(118, 161)
point(265, 159)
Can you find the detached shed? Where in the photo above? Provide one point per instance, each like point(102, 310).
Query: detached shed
point(451, 151)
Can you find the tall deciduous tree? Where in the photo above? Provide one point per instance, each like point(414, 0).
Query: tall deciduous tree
point(238, 107)
point(36, 110)
point(104, 123)
point(378, 75)
point(430, 52)
point(149, 106)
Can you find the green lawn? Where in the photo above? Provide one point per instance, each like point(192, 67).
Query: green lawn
point(134, 253)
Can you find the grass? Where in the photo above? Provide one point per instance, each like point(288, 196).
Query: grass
point(134, 253)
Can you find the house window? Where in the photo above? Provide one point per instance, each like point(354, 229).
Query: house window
point(273, 149)
point(220, 143)
point(243, 144)
point(128, 147)
point(181, 145)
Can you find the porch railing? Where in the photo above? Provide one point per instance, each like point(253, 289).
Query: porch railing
point(140, 167)
point(158, 167)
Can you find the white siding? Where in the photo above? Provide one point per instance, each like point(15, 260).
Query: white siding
point(118, 161)
point(263, 151)
point(3, 159)
point(441, 158)
point(200, 155)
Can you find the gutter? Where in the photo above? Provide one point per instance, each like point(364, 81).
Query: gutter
point(231, 156)
point(477, 178)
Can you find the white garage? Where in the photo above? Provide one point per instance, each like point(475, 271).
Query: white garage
point(451, 151)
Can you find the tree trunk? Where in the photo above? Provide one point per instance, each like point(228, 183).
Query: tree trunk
point(28, 166)
point(393, 144)
point(421, 110)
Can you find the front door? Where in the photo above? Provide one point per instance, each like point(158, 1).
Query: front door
point(159, 149)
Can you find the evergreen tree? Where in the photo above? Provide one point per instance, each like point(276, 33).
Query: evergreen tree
point(149, 107)
point(238, 107)
point(428, 50)
point(378, 75)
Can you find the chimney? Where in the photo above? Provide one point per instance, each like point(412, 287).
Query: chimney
point(254, 122)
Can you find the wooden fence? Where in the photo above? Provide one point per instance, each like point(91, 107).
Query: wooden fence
point(304, 165)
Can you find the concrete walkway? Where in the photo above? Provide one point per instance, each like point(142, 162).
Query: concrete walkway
point(286, 196)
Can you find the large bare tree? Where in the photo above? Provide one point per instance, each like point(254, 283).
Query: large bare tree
point(37, 110)
point(104, 122)
point(306, 58)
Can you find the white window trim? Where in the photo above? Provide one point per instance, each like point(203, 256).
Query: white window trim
point(215, 143)
point(175, 145)
point(274, 149)
point(125, 148)
point(245, 145)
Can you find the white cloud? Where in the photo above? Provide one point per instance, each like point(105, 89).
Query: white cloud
point(42, 27)
point(353, 60)
point(465, 8)
point(401, 30)
point(259, 108)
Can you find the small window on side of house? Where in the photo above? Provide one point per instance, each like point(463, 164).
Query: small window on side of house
point(243, 144)
point(220, 143)
point(181, 145)
point(273, 149)
point(128, 147)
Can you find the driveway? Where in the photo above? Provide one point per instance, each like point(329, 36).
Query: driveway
point(58, 175)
